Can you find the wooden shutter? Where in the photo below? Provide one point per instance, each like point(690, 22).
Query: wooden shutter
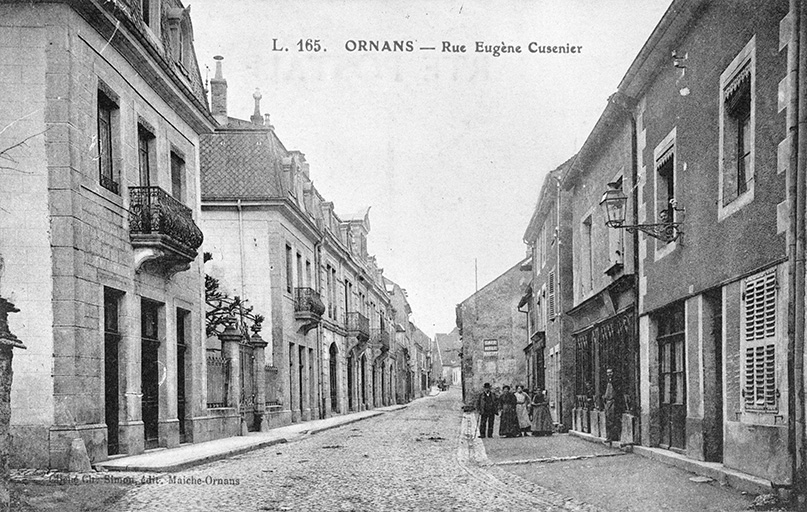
point(760, 337)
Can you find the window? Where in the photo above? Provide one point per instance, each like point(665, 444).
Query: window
point(664, 159)
point(737, 114)
point(300, 270)
point(666, 185)
point(551, 306)
point(145, 150)
point(107, 120)
point(308, 274)
point(289, 278)
point(145, 11)
point(491, 347)
point(615, 240)
point(759, 329)
point(587, 278)
point(177, 177)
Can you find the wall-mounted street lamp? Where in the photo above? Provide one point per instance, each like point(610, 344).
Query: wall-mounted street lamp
point(614, 202)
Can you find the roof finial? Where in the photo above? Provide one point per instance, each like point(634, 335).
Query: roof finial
point(257, 118)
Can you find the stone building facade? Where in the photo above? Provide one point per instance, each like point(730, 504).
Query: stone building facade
point(685, 318)
point(98, 229)
point(548, 353)
point(276, 242)
point(713, 304)
point(493, 331)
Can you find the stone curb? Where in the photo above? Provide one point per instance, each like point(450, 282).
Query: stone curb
point(714, 470)
point(179, 466)
point(547, 460)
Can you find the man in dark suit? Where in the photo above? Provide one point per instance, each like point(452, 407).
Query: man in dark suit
point(487, 407)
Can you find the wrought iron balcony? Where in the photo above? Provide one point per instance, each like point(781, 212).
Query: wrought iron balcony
point(162, 230)
point(358, 325)
point(308, 307)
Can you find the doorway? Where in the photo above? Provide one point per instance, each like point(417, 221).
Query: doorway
point(149, 371)
point(111, 370)
point(182, 346)
point(713, 377)
point(350, 370)
point(672, 378)
point(332, 374)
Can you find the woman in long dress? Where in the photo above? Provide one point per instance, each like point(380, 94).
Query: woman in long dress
point(508, 420)
point(541, 417)
point(522, 403)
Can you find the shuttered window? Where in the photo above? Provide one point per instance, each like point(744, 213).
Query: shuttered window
point(552, 295)
point(759, 392)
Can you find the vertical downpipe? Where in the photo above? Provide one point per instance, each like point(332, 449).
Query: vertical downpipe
point(800, 90)
point(794, 364)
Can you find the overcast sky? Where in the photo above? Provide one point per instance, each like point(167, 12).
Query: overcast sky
point(448, 149)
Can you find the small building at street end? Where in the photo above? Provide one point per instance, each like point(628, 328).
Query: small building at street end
point(103, 107)
point(447, 366)
point(493, 331)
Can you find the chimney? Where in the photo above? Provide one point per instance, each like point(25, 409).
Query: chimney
point(218, 94)
point(257, 118)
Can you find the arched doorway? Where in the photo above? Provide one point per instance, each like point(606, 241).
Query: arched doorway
point(362, 380)
point(332, 353)
point(350, 370)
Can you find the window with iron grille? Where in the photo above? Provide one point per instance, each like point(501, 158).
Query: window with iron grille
point(759, 328)
point(551, 300)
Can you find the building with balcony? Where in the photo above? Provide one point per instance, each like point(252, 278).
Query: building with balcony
point(493, 331)
point(104, 106)
point(276, 242)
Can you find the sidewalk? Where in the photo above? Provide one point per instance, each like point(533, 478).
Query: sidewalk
point(175, 459)
point(604, 477)
point(725, 476)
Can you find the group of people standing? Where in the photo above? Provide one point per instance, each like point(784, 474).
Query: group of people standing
point(520, 412)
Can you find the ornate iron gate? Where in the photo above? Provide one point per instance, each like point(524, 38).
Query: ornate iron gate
point(246, 402)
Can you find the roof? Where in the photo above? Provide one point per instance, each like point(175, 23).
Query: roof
point(544, 199)
point(360, 215)
point(240, 165)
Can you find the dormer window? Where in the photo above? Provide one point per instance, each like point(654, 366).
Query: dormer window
point(179, 35)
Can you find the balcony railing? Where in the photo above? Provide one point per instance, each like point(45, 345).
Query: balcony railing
point(162, 226)
point(358, 325)
point(308, 301)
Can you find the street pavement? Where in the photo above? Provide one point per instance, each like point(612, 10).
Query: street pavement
point(428, 457)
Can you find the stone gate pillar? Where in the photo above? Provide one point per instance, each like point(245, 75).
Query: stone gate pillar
point(230, 341)
point(259, 351)
point(7, 342)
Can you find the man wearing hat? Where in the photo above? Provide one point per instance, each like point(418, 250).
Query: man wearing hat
point(487, 408)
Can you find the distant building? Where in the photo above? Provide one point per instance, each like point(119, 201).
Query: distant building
point(448, 362)
point(493, 333)
point(99, 227)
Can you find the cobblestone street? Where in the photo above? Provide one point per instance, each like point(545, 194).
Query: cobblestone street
point(412, 459)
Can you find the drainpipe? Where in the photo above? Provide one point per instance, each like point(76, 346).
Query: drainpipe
point(241, 245)
point(317, 261)
point(627, 105)
point(796, 111)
